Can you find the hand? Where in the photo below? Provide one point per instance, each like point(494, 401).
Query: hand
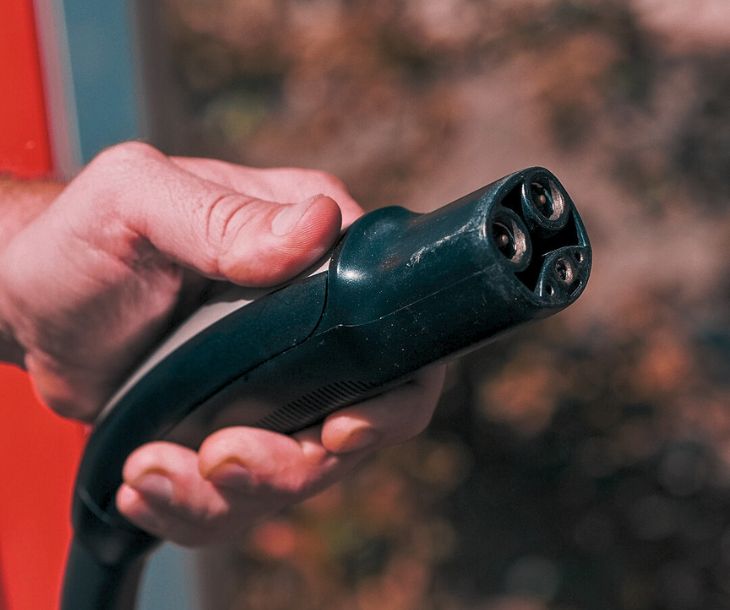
point(91, 283)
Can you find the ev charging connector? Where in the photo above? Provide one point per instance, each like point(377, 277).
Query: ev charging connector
point(400, 291)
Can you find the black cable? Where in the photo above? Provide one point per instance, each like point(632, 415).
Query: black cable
point(92, 585)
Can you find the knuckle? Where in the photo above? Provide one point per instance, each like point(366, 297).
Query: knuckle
point(125, 152)
point(112, 172)
point(223, 217)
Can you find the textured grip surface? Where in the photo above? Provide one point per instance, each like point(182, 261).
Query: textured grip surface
point(314, 406)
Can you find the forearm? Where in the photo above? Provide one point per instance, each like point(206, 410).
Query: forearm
point(20, 202)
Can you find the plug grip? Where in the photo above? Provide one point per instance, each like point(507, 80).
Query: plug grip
point(402, 290)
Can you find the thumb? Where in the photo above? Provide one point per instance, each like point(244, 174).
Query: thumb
point(219, 232)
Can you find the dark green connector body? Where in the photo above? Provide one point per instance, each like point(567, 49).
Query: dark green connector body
point(402, 290)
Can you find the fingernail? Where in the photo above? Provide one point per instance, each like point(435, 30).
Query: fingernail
point(127, 495)
point(154, 486)
point(144, 516)
point(229, 473)
point(286, 220)
point(358, 439)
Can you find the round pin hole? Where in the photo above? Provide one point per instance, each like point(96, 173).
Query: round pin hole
point(564, 271)
point(510, 239)
point(505, 239)
point(547, 199)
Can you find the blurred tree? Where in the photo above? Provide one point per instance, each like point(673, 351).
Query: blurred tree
point(583, 463)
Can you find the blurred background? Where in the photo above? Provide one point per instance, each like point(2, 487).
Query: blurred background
point(584, 461)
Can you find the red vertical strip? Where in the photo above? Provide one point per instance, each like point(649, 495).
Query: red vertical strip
point(38, 457)
point(24, 145)
point(39, 452)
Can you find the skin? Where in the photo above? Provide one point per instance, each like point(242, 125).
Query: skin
point(93, 273)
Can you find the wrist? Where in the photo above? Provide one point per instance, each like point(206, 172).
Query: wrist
point(21, 201)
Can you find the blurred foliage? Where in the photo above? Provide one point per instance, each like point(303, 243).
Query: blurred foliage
point(573, 466)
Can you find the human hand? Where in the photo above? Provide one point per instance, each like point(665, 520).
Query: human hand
point(90, 284)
